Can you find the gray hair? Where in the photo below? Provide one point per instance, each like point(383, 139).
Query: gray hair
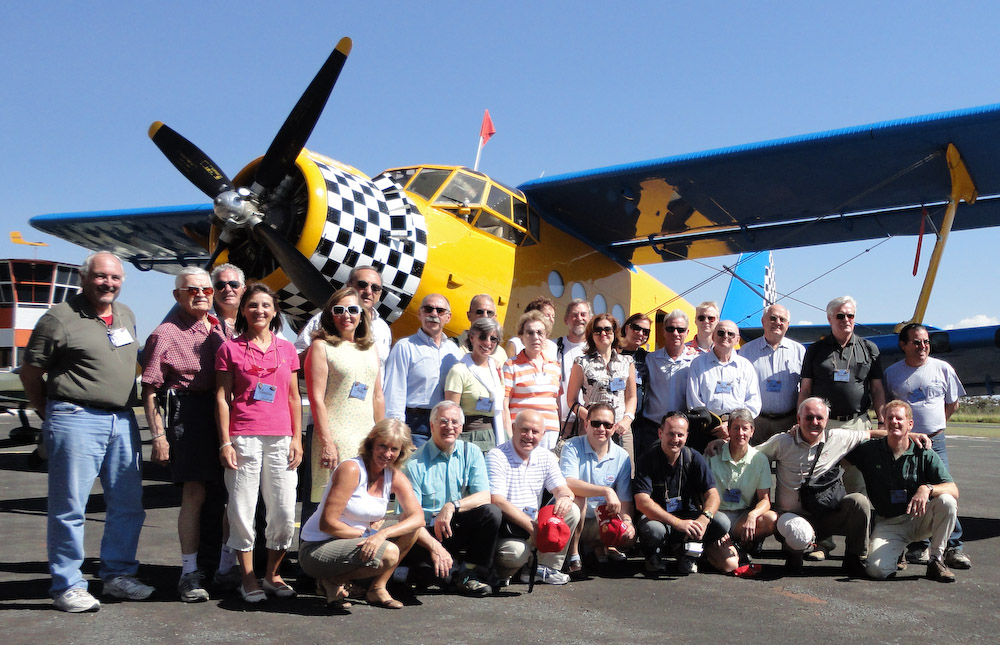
point(677, 313)
point(88, 263)
point(439, 409)
point(741, 414)
point(839, 302)
point(813, 399)
point(186, 271)
point(217, 271)
point(487, 326)
point(576, 302)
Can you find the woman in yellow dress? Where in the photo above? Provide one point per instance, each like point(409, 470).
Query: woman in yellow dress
point(344, 384)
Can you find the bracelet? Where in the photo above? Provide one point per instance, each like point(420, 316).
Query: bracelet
point(157, 436)
point(228, 443)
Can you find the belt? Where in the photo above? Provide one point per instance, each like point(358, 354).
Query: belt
point(418, 410)
point(930, 435)
point(850, 417)
point(95, 406)
point(478, 417)
point(780, 415)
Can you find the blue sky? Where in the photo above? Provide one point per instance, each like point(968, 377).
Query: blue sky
point(570, 86)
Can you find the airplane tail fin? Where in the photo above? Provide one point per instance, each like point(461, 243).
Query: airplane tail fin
point(751, 289)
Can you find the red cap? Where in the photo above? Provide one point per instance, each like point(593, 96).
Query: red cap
point(553, 533)
point(612, 528)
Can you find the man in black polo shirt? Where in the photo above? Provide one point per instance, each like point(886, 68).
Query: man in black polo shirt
point(675, 492)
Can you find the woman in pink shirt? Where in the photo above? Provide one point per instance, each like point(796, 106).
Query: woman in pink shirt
point(259, 415)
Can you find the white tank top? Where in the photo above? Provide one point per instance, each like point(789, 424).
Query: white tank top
point(362, 509)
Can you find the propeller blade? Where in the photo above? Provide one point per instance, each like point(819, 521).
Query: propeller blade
point(300, 271)
point(190, 160)
point(280, 158)
point(220, 246)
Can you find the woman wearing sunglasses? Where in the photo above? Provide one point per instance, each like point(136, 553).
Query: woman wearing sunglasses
point(605, 376)
point(634, 337)
point(475, 383)
point(344, 385)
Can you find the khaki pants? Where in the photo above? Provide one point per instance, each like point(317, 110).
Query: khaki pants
point(514, 553)
point(890, 535)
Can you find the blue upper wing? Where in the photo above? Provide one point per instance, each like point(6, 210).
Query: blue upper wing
point(856, 183)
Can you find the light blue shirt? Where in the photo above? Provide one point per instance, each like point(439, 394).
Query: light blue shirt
point(415, 373)
point(667, 387)
point(579, 460)
point(439, 477)
point(723, 386)
point(779, 371)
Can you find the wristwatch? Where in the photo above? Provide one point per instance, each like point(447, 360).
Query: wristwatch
point(930, 489)
point(457, 504)
point(708, 514)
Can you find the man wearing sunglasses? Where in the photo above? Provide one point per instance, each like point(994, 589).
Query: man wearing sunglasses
point(229, 283)
point(417, 366)
point(178, 396)
point(706, 316)
point(667, 386)
point(932, 389)
point(722, 381)
point(367, 281)
point(481, 306)
point(778, 363)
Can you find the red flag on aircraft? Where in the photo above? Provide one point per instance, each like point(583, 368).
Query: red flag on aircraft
point(487, 130)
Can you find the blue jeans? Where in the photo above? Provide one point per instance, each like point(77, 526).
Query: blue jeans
point(420, 426)
point(84, 444)
point(938, 444)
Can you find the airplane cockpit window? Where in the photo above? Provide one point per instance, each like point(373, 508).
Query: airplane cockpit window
point(402, 175)
point(428, 182)
point(499, 201)
point(462, 190)
point(528, 219)
point(498, 227)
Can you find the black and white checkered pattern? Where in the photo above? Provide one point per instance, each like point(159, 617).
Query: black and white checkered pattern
point(368, 222)
point(770, 283)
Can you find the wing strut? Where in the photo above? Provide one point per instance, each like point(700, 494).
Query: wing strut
point(962, 189)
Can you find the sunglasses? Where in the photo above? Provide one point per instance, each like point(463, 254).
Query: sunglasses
point(194, 291)
point(232, 284)
point(427, 309)
point(778, 319)
point(489, 313)
point(340, 310)
point(639, 329)
point(722, 333)
point(921, 341)
point(703, 318)
point(492, 339)
point(842, 315)
point(670, 329)
point(607, 425)
point(361, 285)
point(604, 330)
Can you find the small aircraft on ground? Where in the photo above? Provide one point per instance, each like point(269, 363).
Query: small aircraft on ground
point(299, 221)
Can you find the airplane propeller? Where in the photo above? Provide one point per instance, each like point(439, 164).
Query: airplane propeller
point(244, 213)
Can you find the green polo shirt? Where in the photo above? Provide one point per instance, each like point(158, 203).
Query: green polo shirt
point(885, 474)
point(748, 475)
point(439, 477)
point(81, 362)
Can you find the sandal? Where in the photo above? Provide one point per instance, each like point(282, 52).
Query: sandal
point(378, 600)
point(252, 597)
point(336, 596)
point(281, 590)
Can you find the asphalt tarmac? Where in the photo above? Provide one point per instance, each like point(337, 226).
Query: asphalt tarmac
point(620, 606)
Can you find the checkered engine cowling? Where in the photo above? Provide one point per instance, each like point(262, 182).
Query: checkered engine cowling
point(368, 222)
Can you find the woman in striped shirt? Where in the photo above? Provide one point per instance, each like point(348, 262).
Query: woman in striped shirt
point(532, 380)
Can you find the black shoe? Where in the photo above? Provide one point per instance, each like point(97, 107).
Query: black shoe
point(793, 562)
point(854, 566)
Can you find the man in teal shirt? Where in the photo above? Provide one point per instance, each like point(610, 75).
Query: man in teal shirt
point(451, 484)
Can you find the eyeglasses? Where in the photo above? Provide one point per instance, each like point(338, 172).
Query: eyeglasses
point(533, 332)
point(489, 313)
point(778, 319)
point(427, 309)
point(194, 291)
point(670, 329)
point(703, 318)
point(921, 341)
point(842, 315)
point(725, 333)
point(361, 285)
point(232, 284)
point(607, 425)
point(639, 329)
point(340, 310)
point(492, 339)
point(604, 330)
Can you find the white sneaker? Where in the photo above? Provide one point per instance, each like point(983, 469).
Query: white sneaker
point(546, 575)
point(190, 589)
point(127, 588)
point(76, 600)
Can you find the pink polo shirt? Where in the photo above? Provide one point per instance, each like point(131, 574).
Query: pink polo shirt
point(250, 366)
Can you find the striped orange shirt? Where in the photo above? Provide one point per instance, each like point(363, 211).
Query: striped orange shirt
point(528, 387)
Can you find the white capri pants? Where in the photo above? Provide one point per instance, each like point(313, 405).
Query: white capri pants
point(261, 465)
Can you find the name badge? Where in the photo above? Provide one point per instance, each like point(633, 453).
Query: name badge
point(530, 511)
point(897, 496)
point(673, 504)
point(724, 387)
point(638, 380)
point(772, 386)
point(120, 337)
point(732, 495)
point(609, 479)
point(264, 392)
point(359, 390)
point(841, 376)
point(617, 384)
point(917, 396)
point(484, 404)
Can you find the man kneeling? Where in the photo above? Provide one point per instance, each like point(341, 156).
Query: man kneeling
point(518, 473)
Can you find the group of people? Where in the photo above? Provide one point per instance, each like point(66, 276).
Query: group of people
point(465, 462)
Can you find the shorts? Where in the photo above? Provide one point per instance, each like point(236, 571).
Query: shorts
point(193, 438)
